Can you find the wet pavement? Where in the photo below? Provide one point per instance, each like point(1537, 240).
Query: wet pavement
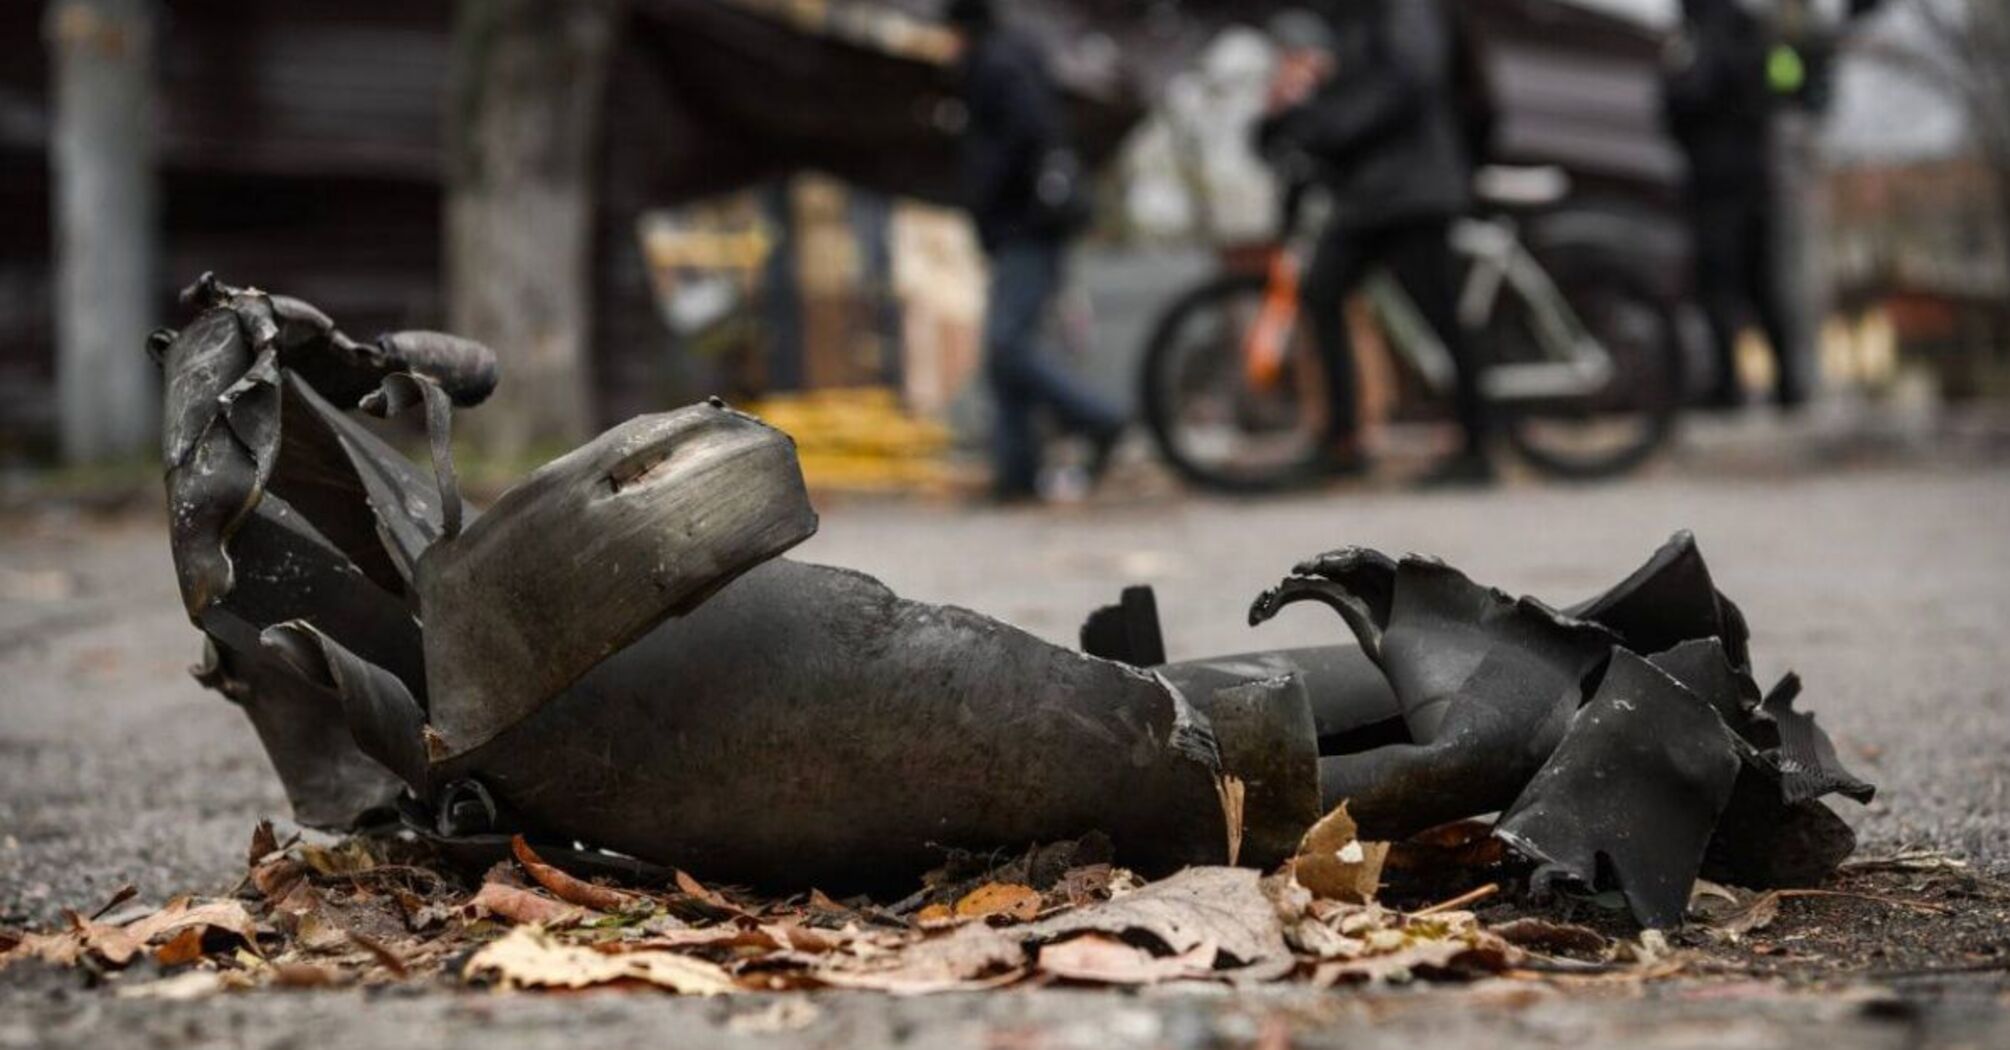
point(1888, 589)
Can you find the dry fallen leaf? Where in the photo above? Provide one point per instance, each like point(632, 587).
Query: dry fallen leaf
point(1223, 906)
point(567, 887)
point(723, 936)
point(1546, 936)
point(523, 907)
point(56, 949)
point(348, 857)
point(1764, 908)
point(304, 975)
point(263, 844)
point(999, 900)
point(1463, 846)
point(710, 898)
point(118, 944)
point(277, 876)
point(794, 936)
point(1103, 959)
point(968, 957)
point(530, 957)
point(122, 895)
point(386, 956)
point(1440, 957)
point(1090, 882)
point(1757, 915)
point(181, 949)
point(1333, 863)
point(1233, 794)
point(821, 902)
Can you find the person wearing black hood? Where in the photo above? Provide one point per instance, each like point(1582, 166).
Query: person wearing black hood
point(1718, 106)
point(1365, 102)
point(1023, 188)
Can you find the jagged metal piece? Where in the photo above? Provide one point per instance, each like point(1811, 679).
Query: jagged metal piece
point(1485, 683)
point(1424, 631)
point(1803, 755)
point(329, 781)
point(593, 550)
point(1669, 600)
point(1632, 793)
point(1128, 631)
point(383, 719)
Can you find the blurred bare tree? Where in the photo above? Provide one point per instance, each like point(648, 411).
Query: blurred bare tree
point(522, 127)
point(101, 168)
point(1968, 55)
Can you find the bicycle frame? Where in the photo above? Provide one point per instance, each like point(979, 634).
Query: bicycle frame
point(1575, 363)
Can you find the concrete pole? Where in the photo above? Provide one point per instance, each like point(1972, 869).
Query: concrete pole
point(101, 161)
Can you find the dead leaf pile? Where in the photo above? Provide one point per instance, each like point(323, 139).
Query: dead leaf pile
point(382, 911)
point(181, 931)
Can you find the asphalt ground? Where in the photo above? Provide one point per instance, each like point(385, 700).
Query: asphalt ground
point(1886, 585)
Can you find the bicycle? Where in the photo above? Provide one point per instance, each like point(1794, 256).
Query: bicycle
point(1584, 373)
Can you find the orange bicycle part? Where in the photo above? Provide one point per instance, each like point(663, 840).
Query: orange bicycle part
point(1264, 347)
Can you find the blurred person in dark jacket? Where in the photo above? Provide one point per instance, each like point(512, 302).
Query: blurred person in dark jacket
point(1719, 107)
point(1364, 101)
point(1023, 186)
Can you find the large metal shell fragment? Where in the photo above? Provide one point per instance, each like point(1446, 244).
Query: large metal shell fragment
point(613, 654)
point(1624, 739)
point(806, 726)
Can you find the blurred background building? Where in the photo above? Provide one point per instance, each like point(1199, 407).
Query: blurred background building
point(642, 203)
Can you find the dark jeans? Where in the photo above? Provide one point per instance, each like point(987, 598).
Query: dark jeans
point(1737, 276)
point(1025, 274)
point(1419, 254)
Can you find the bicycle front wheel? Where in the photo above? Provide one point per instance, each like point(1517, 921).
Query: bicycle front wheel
point(1213, 425)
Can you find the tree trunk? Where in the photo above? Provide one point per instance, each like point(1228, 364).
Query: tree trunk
point(101, 164)
point(523, 117)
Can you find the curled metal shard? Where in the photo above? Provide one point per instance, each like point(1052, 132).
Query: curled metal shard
point(1804, 756)
point(1493, 694)
point(1632, 792)
point(384, 721)
point(1485, 683)
point(615, 654)
point(329, 781)
point(365, 497)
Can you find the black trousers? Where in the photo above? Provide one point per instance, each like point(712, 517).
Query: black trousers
point(1419, 254)
point(1737, 278)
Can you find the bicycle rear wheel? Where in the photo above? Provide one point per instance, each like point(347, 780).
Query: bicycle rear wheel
point(1207, 420)
point(1633, 414)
